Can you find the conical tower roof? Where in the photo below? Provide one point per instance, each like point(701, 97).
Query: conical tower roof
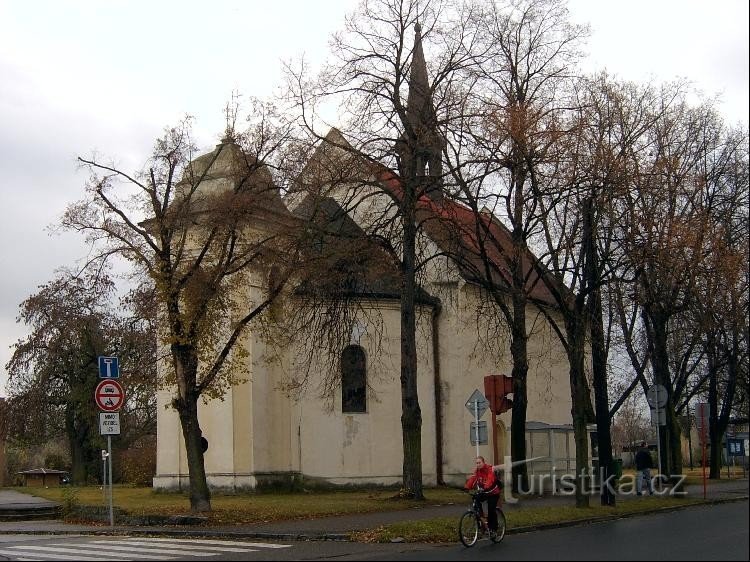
point(420, 147)
point(419, 103)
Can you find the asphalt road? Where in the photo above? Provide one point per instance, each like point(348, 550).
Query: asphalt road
point(717, 532)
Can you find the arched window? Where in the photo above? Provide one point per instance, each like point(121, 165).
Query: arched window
point(353, 379)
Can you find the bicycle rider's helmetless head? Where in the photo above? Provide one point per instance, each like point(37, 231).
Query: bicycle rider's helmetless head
point(479, 462)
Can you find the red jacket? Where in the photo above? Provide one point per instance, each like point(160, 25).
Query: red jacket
point(485, 478)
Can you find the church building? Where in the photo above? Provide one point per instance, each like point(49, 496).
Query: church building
point(260, 434)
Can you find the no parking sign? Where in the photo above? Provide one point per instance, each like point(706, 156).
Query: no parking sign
point(109, 395)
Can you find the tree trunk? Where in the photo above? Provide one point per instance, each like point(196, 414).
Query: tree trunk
point(518, 348)
point(713, 425)
point(78, 470)
point(186, 367)
point(671, 445)
point(581, 409)
point(200, 498)
point(519, 342)
point(411, 415)
point(601, 399)
point(721, 409)
point(598, 356)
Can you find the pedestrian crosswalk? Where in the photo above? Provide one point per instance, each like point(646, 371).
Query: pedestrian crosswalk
point(132, 548)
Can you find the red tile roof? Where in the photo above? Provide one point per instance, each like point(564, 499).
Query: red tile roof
point(452, 226)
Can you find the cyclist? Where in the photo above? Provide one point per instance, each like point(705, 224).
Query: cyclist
point(484, 480)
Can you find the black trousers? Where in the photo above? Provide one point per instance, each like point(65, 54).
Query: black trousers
point(491, 510)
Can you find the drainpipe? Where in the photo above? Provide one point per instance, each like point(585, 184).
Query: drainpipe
point(436, 310)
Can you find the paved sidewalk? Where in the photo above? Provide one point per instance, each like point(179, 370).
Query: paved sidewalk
point(10, 499)
point(336, 528)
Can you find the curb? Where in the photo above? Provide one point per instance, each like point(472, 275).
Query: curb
point(339, 537)
point(605, 518)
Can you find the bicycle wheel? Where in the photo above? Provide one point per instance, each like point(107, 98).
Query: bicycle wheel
point(501, 526)
point(468, 529)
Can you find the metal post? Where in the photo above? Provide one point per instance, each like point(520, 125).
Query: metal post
point(702, 408)
point(690, 436)
point(495, 455)
point(729, 476)
point(658, 437)
point(111, 512)
point(104, 476)
point(476, 427)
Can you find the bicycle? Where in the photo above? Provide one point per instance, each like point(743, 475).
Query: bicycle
point(473, 522)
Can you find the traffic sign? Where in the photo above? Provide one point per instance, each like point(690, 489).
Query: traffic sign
point(658, 416)
point(109, 395)
point(478, 432)
point(477, 404)
point(656, 396)
point(109, 367)
point(702, 415)
point(109, 423)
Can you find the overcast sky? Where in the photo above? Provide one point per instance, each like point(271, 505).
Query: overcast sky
point(109, 75)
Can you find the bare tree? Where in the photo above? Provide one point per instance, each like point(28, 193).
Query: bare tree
point(609, 123)
point(629, 426)
point(718, 315)
point(199, 229)
point(390, 117)
point(667, 226)
point(503, 132)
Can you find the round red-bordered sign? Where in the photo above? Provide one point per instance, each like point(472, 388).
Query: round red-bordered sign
point(109, 395)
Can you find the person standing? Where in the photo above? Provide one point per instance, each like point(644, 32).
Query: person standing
point(484, 480)
point(643, 466)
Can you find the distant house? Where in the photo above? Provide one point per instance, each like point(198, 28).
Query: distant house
point(42, 477)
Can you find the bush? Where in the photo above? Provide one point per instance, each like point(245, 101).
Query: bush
point(70, 502)
point(137, 465)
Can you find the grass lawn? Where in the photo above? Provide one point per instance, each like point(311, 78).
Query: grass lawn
point(254, 508)
point(694, 476)
point(237, 509)
point(444, 529)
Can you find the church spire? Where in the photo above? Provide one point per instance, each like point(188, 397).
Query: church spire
point(419, 101)
point(425, 147)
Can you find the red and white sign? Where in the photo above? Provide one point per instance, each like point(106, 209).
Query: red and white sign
point(109, 395)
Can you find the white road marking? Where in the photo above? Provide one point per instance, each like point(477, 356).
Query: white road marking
point(213, 542)
point(117, 549)
point(75, 552)
point(185, 547)
point(98, 557)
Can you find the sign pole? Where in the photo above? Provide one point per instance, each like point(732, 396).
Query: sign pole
point(689, 435)
point(109, 459)
point(729, 476)
point(476, 417)
point(104, 475)
point(109, 396)
point(703, 418)
point(493, 411)
point(495, 459)
point(658, 435)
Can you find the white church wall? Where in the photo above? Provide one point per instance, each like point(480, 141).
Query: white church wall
point(464, 364)
point(366, 448)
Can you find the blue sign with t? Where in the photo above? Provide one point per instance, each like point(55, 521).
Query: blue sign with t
point(108, 368)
